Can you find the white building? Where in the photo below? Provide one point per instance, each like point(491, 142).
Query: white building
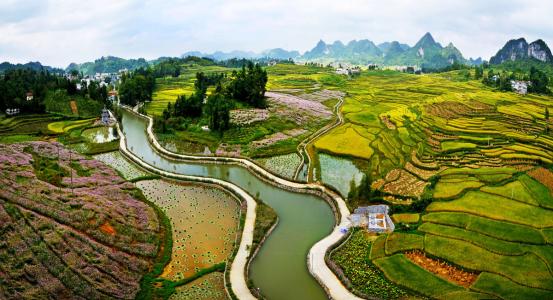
point(12, 111)
point(520, 87)
point(342, 71)
point(30, 96)
point(374, 218)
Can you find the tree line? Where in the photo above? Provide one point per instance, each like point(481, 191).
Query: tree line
point(137, 86)
point(537, 79)
point(16, 84)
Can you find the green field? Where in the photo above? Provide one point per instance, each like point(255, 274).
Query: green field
point(241, 139)
point(474, 150)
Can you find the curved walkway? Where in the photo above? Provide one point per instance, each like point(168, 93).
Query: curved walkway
point(302, 147)
point(237, 274)
point(316, 258)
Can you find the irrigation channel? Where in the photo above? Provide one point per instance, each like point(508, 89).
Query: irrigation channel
point(280, 267)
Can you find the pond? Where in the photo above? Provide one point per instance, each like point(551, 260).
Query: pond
point(100, 135)
point(280, 268)
point(338, 172)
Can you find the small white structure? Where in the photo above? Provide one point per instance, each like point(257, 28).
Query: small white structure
point(30, 96)
point(342, 71)
point(12, 111)
point(520, 87)
point(374, 218)
point(205, 128)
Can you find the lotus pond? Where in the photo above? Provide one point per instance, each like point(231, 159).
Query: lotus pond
point(204, 221)
point(116, 160)
point(210, 286)
point(283, 165)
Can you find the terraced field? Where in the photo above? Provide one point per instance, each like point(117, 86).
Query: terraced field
point(468, 172)
point(71, 227)
point(300, 102)
point(26, 125)
point(169, 88)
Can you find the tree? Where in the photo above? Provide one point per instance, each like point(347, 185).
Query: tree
point(189, 106)
point(478, 72)
point(538, 81)
point(505, 82)
point(137, 87)
point(218, 111)
point(249, 85)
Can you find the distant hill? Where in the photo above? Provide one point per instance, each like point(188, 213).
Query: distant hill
point(6, 66)
point(520, 50)
point(108, 64)
point(276, 53)
point(385, 47)
point(354, 52)
point(279, 53)
point(425, 53)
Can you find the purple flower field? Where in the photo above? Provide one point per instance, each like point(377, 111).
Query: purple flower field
point(85, 237)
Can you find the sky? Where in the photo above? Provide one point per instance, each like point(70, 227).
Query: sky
point(58, 32)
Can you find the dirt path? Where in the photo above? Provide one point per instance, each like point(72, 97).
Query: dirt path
point(302, 147)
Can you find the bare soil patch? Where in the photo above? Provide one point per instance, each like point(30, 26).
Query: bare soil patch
point(544, 176)
point(442, 269)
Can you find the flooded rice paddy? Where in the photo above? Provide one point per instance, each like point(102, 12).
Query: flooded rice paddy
point(204, 220)
point(100, 134)
point(338, 172)
point(283, 165)
point(210, 286)
point(123, 166)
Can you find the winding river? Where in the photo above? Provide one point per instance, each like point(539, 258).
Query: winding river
point(280, 267)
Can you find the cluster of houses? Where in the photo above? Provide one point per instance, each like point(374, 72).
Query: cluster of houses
point(29, 96)
point(103, 79)
point(518, 86)
point(346, 69)
point(98, 77)
point(12, 111)
point(374, 218)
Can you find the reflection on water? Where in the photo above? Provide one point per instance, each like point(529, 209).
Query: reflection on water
point(280, 268)
point(339, 172)
point(100, 134)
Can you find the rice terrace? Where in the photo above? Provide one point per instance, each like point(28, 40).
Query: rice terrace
point(406, 168)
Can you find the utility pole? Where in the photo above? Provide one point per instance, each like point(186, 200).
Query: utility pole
point(59, 163)
point(71, 170)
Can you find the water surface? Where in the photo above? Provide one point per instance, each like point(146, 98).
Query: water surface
point(280, 268)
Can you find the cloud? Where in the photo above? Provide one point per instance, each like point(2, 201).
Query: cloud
point(58, 32)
